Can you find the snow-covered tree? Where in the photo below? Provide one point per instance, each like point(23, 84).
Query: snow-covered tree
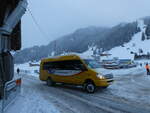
point(140, 51)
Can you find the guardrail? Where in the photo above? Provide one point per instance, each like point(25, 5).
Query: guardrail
point(11, 90)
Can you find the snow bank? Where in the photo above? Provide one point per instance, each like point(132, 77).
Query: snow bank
point(143, 62)
point(31, 101)
point(122, 72)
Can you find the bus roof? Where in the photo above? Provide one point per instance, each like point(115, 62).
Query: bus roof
point(61, 58)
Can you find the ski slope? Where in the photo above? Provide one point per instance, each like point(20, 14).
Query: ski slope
point(133, 46)
point(124, 52)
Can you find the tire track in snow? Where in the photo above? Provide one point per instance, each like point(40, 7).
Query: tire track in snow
point(112, 103)
point(61, 100)
point(59, 96)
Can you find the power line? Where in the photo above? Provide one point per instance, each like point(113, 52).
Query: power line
point(38, 26)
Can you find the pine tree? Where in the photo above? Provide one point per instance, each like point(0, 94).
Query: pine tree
point(143, 37)
point(147, 31)
point(135, 56)
point(148, 37)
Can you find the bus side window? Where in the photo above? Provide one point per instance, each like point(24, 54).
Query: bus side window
point(64, 65)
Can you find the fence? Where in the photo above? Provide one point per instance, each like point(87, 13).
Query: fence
point(11, 91)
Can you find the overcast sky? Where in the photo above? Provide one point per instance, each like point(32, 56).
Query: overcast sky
point(59, 17)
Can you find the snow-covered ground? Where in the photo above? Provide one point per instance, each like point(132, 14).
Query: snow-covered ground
point(26, 68)
point(130, 85)
point(134, 86)
point(31, 100)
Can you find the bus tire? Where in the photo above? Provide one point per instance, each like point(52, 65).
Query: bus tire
point(104, 87)
point(89, 87)
point(50, 82)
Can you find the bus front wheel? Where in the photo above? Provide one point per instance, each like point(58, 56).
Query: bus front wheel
point(50, 82)
point(89, 87)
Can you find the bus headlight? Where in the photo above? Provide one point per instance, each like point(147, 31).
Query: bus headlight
point(100, 76)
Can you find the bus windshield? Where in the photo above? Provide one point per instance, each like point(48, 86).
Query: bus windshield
point(92, 63)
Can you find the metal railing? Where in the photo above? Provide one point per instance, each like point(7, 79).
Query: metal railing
point(11, 90)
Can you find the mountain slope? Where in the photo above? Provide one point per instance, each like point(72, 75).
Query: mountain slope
point(103, 38)
point(138, 44)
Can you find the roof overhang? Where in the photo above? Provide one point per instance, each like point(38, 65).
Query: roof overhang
point(16, 34)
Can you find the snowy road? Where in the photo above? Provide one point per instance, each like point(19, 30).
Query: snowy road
point(126, 95)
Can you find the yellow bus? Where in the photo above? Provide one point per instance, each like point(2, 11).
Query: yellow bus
point(72, 69)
